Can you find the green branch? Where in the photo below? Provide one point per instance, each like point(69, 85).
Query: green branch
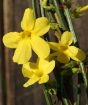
point(67, 14)
point(41, 8)
point(47, 95)
point(34, 7)
point(60, 15)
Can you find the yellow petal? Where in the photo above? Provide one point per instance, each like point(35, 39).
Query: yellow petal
point(44, 79)
point(27, 72)
point(40, 47)
point(53, 45)
point(30, 66)
point(75, 53)
point(61, 57)
point(41, 26)
point(23, 52)
point(11, 39)
point(66, 38)
point(46, 66)
point(28, 20)
point(31, 81)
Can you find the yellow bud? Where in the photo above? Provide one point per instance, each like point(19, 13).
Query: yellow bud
point(84, 8)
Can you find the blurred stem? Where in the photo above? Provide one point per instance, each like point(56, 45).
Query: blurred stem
point(51, 19)
point(63, 92)
point(47, 96)
point(34, 7)
point(83, 74)
point(42, 10)
point(78, 99)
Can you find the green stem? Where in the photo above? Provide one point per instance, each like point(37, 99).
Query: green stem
point(83, 74)
point(78, 99)
point(42, 10)
point(43, 14)
point(66, 11)
point(50, 17)
point(65, 101)
point(60, 15)
point(34, 7)
point(47, 96)
point(67, 14)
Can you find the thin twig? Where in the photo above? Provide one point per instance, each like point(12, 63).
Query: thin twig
point(42, 10)
point(47, 96)
point(67, 14)
point(60, 15)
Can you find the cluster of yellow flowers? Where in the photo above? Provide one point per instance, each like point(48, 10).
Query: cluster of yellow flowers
point(30, 39)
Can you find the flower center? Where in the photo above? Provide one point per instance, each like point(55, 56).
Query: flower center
point(62, 48)
point(26, 34)
point(39, 73)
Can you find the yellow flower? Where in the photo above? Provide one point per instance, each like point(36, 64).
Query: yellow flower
point(64, 50)
point(37, 72)
point(29, 39)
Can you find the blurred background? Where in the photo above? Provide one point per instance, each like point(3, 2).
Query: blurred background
point(11, 79)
